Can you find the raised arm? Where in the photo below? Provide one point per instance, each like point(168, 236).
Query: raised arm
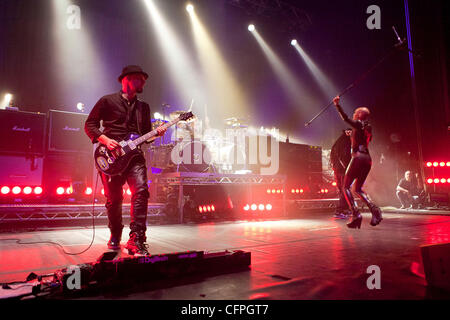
point(353, 123)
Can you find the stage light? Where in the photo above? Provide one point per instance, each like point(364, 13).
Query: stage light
point(251, 28)
point(69, 190)
point(254, 207)
point(435, 164)
point(103, 191)
point(293, 42)
point(213, 208)
point(268, 191)
point(448, 164)
point(6, 101)
point(16, 190)
point(204, 208)
point(200, 209)
point(80, 106)
point(429, 164)
point(247, 207)
point(442, 164)
point(129, 192)
point(269, 207)
point(448, 180)
point(261, 207)
point(430, 181)
point(88, 191)
point(27, 190)
point(158, 116)
point(443, 180)
point(37, 190)
point(301, 191)
point(293, 191)
point(5, 190)
point(60, 190)
point(334, 184)
point(436, 180)
point(190, 8)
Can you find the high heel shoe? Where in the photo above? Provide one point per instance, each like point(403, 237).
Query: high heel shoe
point(356, 222)
point(376, 216)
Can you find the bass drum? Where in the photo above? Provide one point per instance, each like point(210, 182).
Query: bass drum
point(195, 157)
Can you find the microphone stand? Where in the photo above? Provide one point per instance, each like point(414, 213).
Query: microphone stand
point(398, 45)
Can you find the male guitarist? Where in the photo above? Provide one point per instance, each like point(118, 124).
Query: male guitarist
point(122, 113)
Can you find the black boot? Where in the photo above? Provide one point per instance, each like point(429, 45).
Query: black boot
point(114, 240)
point(136, 245)
point(356, 221)
point(376, 215)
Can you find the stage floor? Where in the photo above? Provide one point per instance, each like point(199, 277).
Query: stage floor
point(313, 256)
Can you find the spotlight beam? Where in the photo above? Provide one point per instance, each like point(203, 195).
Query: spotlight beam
point(290, 82)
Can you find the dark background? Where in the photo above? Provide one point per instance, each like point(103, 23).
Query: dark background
point(333, 33)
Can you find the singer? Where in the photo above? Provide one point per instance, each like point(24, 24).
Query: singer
point(360, 164)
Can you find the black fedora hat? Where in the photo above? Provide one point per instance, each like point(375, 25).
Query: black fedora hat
point(132, 69)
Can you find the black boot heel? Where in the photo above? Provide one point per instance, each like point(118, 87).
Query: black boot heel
point(355, 223)
point(376, 216)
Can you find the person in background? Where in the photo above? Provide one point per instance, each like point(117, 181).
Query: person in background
point(340, 157)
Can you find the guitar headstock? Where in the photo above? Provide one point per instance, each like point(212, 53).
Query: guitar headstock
point(186, 116)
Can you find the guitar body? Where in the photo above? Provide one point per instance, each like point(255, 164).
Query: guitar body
point(114, 162)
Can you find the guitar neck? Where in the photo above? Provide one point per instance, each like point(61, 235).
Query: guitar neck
point(153, 133)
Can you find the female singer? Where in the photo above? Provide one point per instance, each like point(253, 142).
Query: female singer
point(360, 164)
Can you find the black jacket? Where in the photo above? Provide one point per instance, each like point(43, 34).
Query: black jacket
point(115, 115)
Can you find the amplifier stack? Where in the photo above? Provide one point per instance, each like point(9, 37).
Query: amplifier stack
point(40, 153)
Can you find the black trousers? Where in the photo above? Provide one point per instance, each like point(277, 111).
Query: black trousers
point(136, 177)
point(339, 175)
point(357, 172)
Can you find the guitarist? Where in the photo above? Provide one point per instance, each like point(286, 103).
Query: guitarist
point(123, 113)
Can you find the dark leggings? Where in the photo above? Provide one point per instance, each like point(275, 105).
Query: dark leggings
point(357, 172)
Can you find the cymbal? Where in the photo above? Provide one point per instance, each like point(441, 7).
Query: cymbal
point(176, 114)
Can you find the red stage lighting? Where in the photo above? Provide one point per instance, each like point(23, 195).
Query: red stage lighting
point(60, 190)
point(261, 207)
point(268, 207)
point(103, 191)
point(293, 190)
point(213, 208)
point(443, 180)
point(268, 190)
point(16, 190)
point(430, 181)
point(442, 164)
point(200, 209)
point(436, 180)
point(247, 207)
point(448, 164)
point(88, 191)
point(38, 190)
point(69, 190)
point(301, 191)
point(129, 192)
point(429, 164)
point(435, 164)
point(448, 180)
point(254, 207)
point(334, 184)
point(208, 208)
point(27, 190)
point(5, 190)
point(297, 191)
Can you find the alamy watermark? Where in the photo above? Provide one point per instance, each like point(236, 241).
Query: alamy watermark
point(239, 147)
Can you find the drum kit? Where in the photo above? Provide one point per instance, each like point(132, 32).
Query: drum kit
point(205, 151)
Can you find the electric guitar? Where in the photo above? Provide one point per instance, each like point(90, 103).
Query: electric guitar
point(114, 162)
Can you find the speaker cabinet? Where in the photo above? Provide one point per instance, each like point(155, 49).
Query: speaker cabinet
point(67, 170)
point(22, 133)
point(66, 132)
point(436, 264)
point(21, 171)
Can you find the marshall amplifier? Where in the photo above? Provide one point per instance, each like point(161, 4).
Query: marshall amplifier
point(66, 132)
point(22, 133)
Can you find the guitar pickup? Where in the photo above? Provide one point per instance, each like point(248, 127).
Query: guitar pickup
point(132, 145)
